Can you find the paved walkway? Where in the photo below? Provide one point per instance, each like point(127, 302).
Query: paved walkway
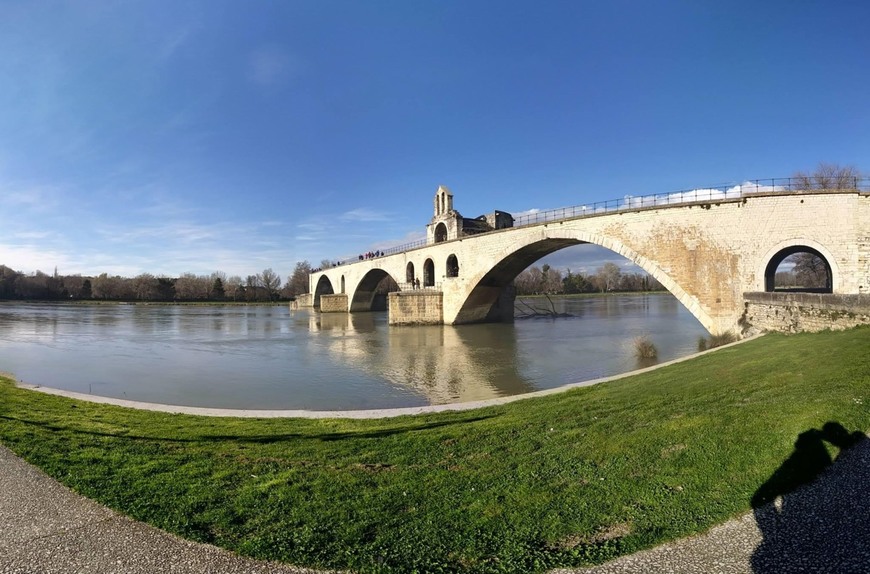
point(45, 528)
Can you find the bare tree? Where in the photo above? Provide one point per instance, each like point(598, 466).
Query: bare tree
point(270, 281)
point(810, 271)
point(233, 287)
point(298, 281)
point(828, 176)
point(145, 287)
point(193, 287)
point(607, 277)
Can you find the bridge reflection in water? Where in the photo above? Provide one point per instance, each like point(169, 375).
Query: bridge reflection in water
point(444, 364)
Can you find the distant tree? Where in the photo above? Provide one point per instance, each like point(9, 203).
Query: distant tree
point(233, 287)
point(785, 279)
point(298, 281)
point(8, 278)
point(106, 287)
point(217, 289)
point(190, 287)
point(86, 292)
point(529, 281)
point(607, 277)
point(326, 264)
point(252, 288)
point(809, 270)
point(145, 287)
point(828, 176)
point(576, 283)
point(271, 282)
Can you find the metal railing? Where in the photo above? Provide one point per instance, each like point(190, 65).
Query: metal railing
point(705, 195)
point(408, 286)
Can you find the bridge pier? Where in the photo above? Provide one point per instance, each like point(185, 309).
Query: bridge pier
point(416, 307)
point(335, 303)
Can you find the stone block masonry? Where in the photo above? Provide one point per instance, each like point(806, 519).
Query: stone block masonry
point(333, 303)
point(799, 312)
point(416, 308)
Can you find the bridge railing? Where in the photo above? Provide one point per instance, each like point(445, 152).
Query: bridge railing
point(703, 195)
point(422, 288)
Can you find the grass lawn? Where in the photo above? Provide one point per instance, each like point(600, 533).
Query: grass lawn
point(567, 479)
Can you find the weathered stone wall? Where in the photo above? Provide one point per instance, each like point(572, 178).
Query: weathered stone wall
point(798, 312)
point(419, 307)
point(302, 301)
point(336, 303)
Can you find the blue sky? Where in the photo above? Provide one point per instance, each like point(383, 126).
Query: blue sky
point(171, 136)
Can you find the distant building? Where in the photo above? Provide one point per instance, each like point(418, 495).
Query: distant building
point(447, 223)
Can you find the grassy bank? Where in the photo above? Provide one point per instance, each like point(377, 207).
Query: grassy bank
point(561, 480)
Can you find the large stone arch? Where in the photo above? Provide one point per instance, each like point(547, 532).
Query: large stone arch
point(509, 262)
point(324, 287)
point(364, 294)
point(775, 255)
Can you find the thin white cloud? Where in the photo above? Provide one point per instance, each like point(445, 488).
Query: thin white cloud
point(364, 214)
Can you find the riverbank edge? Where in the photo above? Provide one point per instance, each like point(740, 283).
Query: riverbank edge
point(351, 414)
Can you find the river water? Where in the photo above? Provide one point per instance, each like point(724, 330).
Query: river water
point(276, 358)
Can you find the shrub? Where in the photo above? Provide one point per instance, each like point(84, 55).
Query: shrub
point(644, 348)
point(716, 340)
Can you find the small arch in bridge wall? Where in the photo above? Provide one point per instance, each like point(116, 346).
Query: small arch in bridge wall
point(803, 244)
point(452, 266)
point(342, 283)
point(440, 233)
point(774, 261)
point(409, 273)
point(428, 273)
point(324, 287)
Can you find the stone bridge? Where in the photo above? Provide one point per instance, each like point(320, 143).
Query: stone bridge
point(708, 248)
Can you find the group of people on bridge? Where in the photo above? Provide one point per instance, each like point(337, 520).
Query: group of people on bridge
point(371, 255)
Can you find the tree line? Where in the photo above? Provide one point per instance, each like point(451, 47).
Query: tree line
point(607, 279)
point(218, 286)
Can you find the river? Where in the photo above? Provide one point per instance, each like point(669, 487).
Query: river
point(276, 358)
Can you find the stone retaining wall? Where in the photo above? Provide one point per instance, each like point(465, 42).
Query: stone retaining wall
point(799, 312)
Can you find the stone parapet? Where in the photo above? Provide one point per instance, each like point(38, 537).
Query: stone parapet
point(810, 312)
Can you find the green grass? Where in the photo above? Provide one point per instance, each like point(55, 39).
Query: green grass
point(563, 480)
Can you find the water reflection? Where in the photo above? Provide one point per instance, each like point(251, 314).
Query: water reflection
point(271, 357)
point(441, 362)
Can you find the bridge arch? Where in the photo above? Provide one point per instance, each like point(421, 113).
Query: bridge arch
point(364, 294)
point(781, 251)
point(512, 260)
point(324, 287)
point(409, 273)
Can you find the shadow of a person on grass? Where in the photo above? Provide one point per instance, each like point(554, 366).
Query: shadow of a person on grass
point(814, 511)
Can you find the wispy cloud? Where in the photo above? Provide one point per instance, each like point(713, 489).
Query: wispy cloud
point(364, 214)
